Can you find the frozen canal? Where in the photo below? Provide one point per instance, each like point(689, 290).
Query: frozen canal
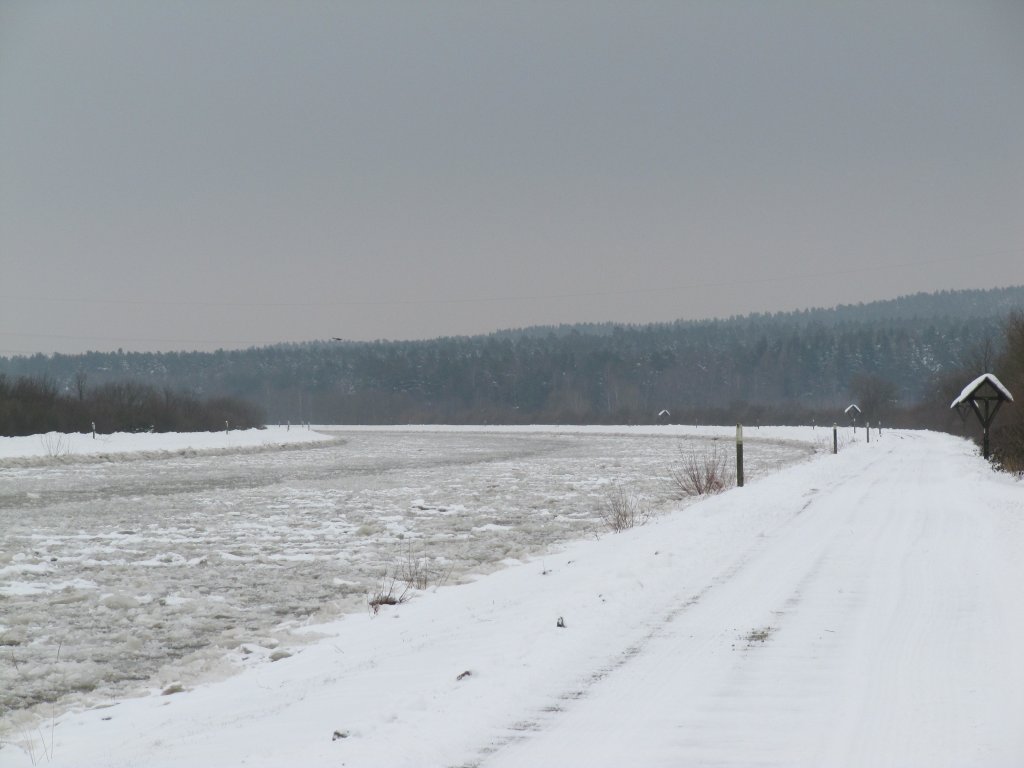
point(118, 577)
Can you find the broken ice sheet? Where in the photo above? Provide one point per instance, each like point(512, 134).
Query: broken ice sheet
point(135, 575)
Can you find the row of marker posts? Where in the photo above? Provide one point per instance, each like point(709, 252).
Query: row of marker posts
point(835, 446)
point(227, 428)
point(867, 431)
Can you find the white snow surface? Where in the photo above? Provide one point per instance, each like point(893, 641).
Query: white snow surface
point(124, 570)
point(74, 446)
point(857, 609)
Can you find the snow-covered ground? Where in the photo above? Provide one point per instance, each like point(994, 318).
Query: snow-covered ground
point(859, 609)
point(135, 568)
point(75, 447)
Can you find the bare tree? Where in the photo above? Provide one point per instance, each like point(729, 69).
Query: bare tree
point(875, 395)
point(80, 379)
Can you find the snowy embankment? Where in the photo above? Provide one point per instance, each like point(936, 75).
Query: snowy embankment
point(859, 609)
point(59, 446)
point(801, 434)
point(118, 576)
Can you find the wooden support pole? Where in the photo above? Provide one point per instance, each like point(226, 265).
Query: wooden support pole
point(988, 420)
point(835, 439)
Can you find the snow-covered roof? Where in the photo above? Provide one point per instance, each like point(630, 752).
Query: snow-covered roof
point(971, 388)
point(851, 408)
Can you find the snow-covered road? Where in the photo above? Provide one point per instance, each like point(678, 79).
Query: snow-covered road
point(857, 610)
point(875, 627)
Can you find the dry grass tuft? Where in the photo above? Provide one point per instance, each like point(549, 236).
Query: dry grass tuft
point(622, 511)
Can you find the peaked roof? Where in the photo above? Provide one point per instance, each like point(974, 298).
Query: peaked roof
point(1000, 392)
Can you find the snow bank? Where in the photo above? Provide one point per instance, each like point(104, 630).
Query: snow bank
point(767, 432)
point(158, 567)
point(67, 446)
point(853, 610)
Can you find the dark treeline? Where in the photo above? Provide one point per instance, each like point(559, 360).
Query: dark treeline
point(35, 405)
point(901, 360)
point(1008, 429)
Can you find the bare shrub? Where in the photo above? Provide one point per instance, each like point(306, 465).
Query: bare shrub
point(1011, 461)
point(33, 739)
point(55, 444)
point(410, 572)
point(389, 592)
point(1008, 435)
point(419, 572)
point(36, 405)
point(701, 472)
point(415, 570)
point(621, 511)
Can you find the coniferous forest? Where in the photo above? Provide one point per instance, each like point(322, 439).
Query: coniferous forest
point(902, 361)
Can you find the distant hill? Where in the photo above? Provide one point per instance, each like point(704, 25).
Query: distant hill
point(815, 358)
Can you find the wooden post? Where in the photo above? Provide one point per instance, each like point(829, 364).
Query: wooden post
point(867, 430)
point(984, 424)
point(739, 456)
point(94, 430)
point(985, 418)
point(835, 439)
point(226, 427)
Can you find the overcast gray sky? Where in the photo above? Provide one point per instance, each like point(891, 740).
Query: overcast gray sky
point(200, 174)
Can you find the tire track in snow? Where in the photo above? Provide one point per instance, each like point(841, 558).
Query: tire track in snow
point(883, 601)
point(775, 599)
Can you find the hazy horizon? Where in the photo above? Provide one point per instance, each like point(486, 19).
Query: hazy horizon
point(522, 328)
point(216, 175)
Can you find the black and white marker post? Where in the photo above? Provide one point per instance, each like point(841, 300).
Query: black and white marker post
point(739, 456)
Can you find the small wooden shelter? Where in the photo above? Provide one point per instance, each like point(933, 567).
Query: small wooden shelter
point(984, 396)
point(853, 412)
